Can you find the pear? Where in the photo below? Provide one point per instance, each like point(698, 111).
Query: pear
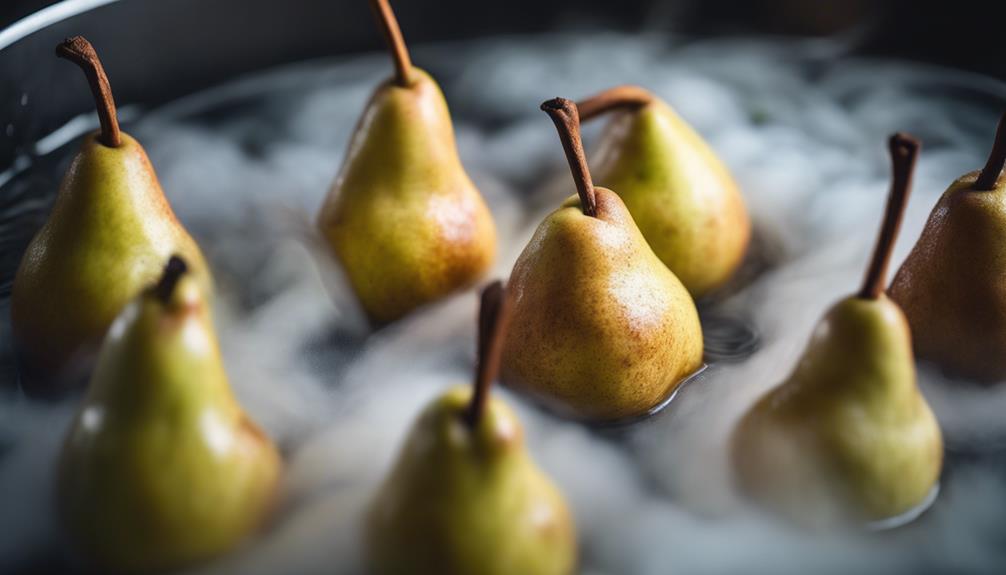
point(680, 194)
point(403, 217)
point(465, 497)
point(110, 233)
point(602, 330)
point(161, 467)
point(951, 284)
point(848, 437)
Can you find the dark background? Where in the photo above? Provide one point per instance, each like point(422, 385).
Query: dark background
point(164, 50)
point(965, 34)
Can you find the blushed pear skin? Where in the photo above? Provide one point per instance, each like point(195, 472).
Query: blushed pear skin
point(680, 194)
point(161, 467)
point(601, 329)
point(951, 284)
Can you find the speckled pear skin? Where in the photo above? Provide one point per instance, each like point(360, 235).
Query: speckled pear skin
point(403, 217)
point(110, 233)
point(161, 467)
point(848, 436)
point(468, 502)
point(601, 329)
point(679, 193)
point(951, 285)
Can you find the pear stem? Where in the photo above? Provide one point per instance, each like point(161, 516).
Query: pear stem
point(173, 271)
point(396, 43)
point(79, 51)
point(904, 150)
point(567, 121)
point(493, 319)
point(617, 98)
point(997, 159)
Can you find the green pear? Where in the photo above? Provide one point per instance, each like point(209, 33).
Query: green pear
point(951, 284)
point(680, 194)
point(602, 330)
point(110, 233)
point(848, 436)
point(464, 497)
point(403, 217)
point(161, 467)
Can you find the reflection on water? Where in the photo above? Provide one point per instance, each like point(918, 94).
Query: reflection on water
point(728, 338)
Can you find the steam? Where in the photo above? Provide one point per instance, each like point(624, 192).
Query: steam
point(246, 167)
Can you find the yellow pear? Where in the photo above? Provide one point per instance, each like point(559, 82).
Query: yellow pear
point(602, 330)
point(848, 436)
point(161, 467)
point(680, 194)
point(110, 233)
point(465, 497)
point(403, 217)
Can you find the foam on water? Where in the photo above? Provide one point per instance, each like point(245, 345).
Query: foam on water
point(246, 166)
